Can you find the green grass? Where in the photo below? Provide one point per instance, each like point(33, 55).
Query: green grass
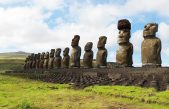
point(11, 64)
point(145, 95)
point(18, 93)
point(11, 61)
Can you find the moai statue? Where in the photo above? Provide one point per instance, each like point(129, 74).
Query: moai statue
point(41, 60)
point(51, 59)
point(125, 49)
point(151, 46)
point(34, 61)
point(75, 53)
point(46, 60)
point(66, 58)
point(101, 57)
point(26, 63)
point(88, 56)
point(58, 58)
point(38, 61)
point(31, 61)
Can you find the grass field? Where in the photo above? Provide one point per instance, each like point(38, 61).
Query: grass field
point(19, 93)
point(12, 61)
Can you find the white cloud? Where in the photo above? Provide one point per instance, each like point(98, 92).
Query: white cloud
point(133, 7)
point(136, 40)
point(48, 4)
point(163, 34)
point(7, 2)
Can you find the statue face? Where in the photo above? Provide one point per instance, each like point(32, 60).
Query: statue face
point(75, 41)
point(58, 51)
point(52, 52)
point(102, 42)
point(88, 46)
point(46, 56)
point(42, 55)
point(150, 29)
point(28, 58)
point(38, 55)
point(35, 56)
point(47, 53)
point(124, 36)
point(66, 51)
point(32, 56)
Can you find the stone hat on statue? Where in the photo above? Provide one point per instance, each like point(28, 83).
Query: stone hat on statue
point(124, 24)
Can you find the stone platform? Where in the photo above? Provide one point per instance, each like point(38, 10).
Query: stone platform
point(144, 77)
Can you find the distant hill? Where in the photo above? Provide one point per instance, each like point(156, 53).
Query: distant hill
point(14, 55)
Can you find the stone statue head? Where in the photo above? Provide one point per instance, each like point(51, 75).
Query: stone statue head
point(150, 30)
point(102, 41)
point(124, 27)
point(38, 56)
point(57, 53)
point(42, 55)
point(32, 56)
point(75, 41)
point(52, 53)
point(124, 24)
point(124, 36)
point(29, 57)
point(66, 51)
point(35, 56)
point(46, 55)
point(88, 46)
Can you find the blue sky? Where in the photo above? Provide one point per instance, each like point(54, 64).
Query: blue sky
point(39, 25)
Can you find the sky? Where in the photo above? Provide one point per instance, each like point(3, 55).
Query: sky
point(39, 25)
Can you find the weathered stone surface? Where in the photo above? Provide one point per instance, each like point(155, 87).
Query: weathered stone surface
point(151, 47)
point(41, 60)
point(88, 56)
point(101, 57)
point(66, 58)
point(46, 60)
point(58, 58)
point(51, 59)
point(124, 55)
point(75, 52)
point(125, 50)
point(144, 77)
